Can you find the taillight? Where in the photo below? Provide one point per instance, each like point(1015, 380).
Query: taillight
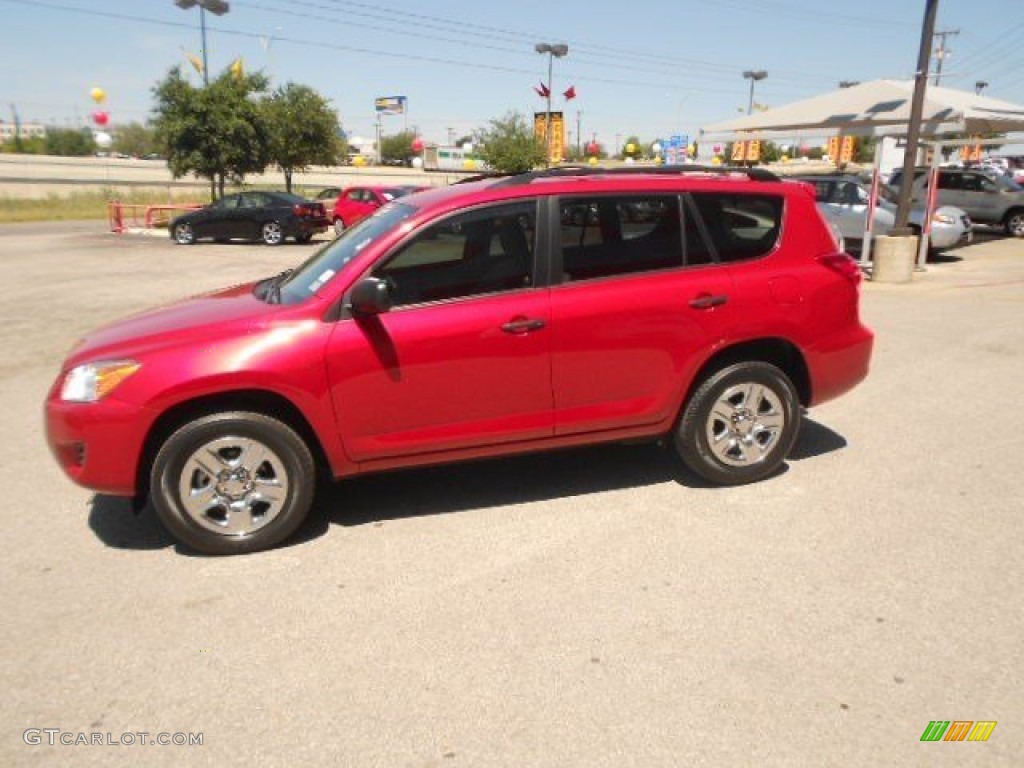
point(308, 210)
point(844, 265)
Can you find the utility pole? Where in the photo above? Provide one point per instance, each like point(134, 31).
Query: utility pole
point(451, 136)
point(579, 135)
point(942, 52)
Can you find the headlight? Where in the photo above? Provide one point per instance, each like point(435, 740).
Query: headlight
point(94, 381)
point(942, 218)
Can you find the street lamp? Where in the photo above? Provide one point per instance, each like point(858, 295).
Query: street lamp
point(979, 86)
point(848, 83)
point(553, 50)
point(753, 75)
point(217, 8)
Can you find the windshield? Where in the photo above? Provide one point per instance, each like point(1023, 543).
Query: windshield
point(330, 260)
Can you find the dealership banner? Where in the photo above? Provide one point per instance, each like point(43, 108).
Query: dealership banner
point(390, 105)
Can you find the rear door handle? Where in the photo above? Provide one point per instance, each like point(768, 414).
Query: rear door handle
point(522, 325)
point(707, 301)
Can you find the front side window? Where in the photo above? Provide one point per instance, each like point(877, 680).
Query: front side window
point(617, 235)
point(740, 226)
point(476, 252)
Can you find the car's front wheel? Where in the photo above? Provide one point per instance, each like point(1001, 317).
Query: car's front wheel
point(740, 424)
point(272, 233)
point(184, 234)
point(1014, 223)
point(304, 238)
point(233, 482)
point(339, 226)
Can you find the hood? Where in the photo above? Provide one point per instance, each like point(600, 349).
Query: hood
point(214, 313)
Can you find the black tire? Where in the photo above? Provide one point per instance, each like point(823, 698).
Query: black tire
point(304, 238)
point(1013, 222)
point(755, 437)
point(272, 233)
point(183, 233)
point(234, 504)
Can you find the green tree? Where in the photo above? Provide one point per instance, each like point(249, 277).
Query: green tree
point(135, 139)
point(69, 142)
point(638, 148)
point(509, 145)
point(397, 147)
point(303, 130)
point(218, 132)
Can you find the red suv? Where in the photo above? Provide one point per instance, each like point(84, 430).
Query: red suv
point(356, 203)
point(501, 316)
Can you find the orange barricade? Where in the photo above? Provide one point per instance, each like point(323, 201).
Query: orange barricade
point(139, 216)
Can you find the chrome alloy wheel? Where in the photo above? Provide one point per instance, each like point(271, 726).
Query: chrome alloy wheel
point(339, 226)
point(744, 424)
point(272, 233)
point(233, 486)
point(1015, 224)
point(184, 234)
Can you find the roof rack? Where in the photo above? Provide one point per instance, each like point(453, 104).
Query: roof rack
point(754, 174)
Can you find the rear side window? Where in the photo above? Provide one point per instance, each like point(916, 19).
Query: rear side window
point(617, 235)
point(741, 227)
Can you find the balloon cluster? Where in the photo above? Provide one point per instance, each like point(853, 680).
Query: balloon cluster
point(100, 117)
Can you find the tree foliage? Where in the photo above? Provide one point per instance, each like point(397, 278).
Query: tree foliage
point(397, 148)
point(218, 132)
point(303, 130)
point(509, 145)
point(69, 142)
point(135, 139)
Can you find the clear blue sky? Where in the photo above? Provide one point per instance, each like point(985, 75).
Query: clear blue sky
point(651, 69)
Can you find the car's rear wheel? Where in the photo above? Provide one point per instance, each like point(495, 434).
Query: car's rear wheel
point(740, 424)
point(339, 226)
point(1014, 223)
point(272, 233)
point(233, 482)
point(184, 234)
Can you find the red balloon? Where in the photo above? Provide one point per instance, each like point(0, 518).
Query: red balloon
point(593, 148)
point(417, 145)
point(717, 149)
point(100, 118)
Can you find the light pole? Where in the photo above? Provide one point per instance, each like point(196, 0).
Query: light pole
point(753, 75)
point(217, 8)
point(980, 86)
point(553, 50)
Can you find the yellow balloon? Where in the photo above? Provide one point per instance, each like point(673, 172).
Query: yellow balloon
point(785, 158)
point(98, 95)
point(716, 160)
point(631, 147)
point(359, 161)
point(592, 160)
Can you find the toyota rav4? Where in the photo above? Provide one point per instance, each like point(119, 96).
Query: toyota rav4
point(550, 309)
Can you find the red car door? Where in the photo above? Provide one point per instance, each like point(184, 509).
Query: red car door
point(463, 359)
point(630, 322)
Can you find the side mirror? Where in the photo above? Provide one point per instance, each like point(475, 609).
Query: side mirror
point(371, 296)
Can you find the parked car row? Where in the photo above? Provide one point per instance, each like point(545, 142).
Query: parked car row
point(843, 200)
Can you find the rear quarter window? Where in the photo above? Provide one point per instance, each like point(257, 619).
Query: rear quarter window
point(741, 227)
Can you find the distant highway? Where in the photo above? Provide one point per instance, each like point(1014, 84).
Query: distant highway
point(34, 176)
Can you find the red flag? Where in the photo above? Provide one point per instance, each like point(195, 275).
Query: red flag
point(570, 93)
point(542, 90)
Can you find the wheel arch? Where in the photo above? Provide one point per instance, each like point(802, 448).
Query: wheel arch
point(254, 400)
point(781, 353)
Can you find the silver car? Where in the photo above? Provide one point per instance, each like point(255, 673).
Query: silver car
point(843, 200)
point(989, 197)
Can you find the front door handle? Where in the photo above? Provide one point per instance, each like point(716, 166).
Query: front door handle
point(522, 325)
point(707, 301)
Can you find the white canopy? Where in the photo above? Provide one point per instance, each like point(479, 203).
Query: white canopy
point(878, 107)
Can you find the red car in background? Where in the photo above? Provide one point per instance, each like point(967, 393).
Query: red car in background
point(357, 203)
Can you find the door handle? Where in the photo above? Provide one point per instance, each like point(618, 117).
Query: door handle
point(522, 325)
point(707, 301)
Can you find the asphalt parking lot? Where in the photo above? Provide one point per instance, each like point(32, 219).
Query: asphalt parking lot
point(593, 607)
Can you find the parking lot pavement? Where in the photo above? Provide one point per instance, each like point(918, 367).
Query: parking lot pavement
point(595, 607)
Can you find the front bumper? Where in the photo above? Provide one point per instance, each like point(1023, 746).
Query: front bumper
point(98, 445)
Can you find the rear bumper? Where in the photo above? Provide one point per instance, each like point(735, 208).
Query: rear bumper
point(840, 363)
